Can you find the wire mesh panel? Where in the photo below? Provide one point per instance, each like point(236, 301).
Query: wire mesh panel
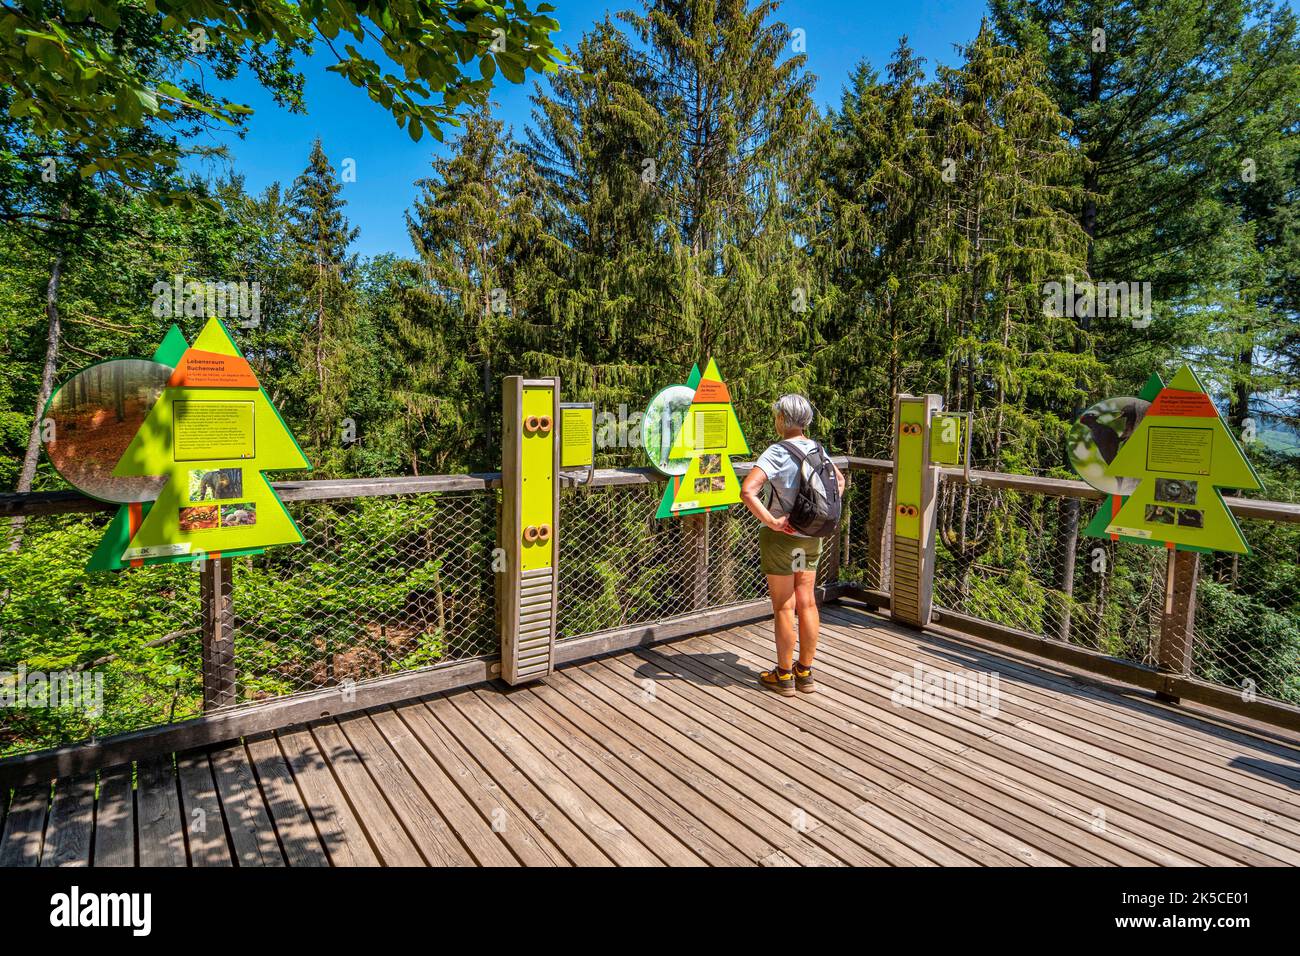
point(618, 564)
point(379, 586)
point(1005, 556)
point(1248, 614)
point(396, 583)
point(860, 539)
point(90, 654)
point(734, 572)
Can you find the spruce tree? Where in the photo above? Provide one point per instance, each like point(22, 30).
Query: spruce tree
point(869, 198)
point(322, 273)
point(1157, 93)
point(738, 103)
point(599, 279)
point(460, 299)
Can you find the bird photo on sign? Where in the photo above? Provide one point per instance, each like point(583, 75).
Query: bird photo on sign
point(1096, 437)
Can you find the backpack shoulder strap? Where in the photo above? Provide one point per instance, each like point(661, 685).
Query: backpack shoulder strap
point(797, 453)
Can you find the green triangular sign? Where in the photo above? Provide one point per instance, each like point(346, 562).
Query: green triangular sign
point(212, 432)
point(1181, 454)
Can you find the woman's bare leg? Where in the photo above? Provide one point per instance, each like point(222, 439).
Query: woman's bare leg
point(810, 620)
point(781, 588)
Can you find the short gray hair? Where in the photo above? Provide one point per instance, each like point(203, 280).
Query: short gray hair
point(795, 410)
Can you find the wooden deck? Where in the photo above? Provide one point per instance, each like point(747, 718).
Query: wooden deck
point(672, 756)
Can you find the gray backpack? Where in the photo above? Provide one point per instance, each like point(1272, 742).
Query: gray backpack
point(816, 510)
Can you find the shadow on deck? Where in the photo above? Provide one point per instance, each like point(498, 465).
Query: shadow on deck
point(672, 755)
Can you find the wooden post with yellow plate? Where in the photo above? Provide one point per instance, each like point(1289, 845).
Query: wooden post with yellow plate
point(528, 530)
point(911, 595)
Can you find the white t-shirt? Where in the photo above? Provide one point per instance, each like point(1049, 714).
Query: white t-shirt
point(782, 470)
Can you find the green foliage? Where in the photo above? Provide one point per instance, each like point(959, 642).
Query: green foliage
point(56, 617)
point(94, 73)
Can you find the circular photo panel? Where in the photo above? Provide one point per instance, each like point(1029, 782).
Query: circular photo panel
point(1096, 438)
point(91, 420)
point(659, 427)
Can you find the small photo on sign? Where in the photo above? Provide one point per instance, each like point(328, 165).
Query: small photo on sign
point(718, 483)
point(199, 518)
point(702, 485)
point(1160, 514)
point(710, 464)
point(1175, 491)
point(216, 484)
point(240, 515)
point(1191, 518)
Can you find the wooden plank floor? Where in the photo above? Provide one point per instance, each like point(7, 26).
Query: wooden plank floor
point(671, 756)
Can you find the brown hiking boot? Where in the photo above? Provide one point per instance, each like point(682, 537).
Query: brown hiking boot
point(803, 679)
point(783, 684)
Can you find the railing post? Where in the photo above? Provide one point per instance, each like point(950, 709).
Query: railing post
point(878, 526)
point(1178, 622)
point(697, 528)
point(215, 596)
point(529, 529)
point(835, 556)
point(911, 592)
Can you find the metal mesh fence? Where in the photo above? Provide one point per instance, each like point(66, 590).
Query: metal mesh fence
point(87, 655)
point(1248, 614)
point(860, 540)
point(620, 566)
point(402, 582)
point(380, 585)
point(1005, 556)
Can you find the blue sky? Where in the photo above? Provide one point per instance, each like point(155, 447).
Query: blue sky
point(838, 35)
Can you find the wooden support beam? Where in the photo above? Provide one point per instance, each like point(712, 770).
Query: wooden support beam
point(1178, 622)
point(217, 600)
point(530, 496)
point(696, 530)
point(912, 517)
point(878, 531)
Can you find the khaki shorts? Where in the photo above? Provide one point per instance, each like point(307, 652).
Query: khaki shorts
point(779, 551)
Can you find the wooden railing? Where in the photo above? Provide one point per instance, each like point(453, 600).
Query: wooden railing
point(857, 569)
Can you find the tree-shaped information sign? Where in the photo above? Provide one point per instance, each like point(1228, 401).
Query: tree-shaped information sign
point(709, 435)
point(211, 434)
point(1180, 454)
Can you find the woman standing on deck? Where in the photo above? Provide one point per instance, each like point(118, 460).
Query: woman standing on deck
point(789, 560)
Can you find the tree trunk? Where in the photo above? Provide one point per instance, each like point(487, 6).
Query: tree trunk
point(119, 392)
point(1239, 409)
point(28, 473)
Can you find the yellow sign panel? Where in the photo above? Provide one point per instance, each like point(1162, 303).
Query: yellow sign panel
point(538, 479)
point(946, 438)
point(1179, 449)
point(210, 430)
point(577, 435)
point(910, 464)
